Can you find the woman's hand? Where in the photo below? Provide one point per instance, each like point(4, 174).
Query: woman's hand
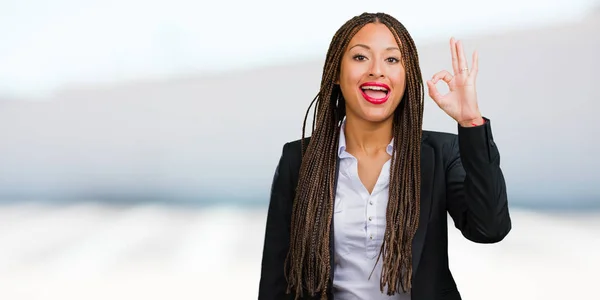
point(460, 102)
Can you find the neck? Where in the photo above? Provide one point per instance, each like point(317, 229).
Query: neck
point(367, 137)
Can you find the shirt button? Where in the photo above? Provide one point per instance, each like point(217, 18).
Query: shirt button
point(371, 236)
point(370, 218)
point(371, 202)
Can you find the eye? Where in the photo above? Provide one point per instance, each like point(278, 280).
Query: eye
point(359, 57)
point(392, 60)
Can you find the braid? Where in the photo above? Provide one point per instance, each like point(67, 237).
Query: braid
point(308, 260)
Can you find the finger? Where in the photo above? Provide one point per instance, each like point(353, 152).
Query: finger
point(433, 92)
point(443, 75)
point(462, 61)
point(454, 55)
point(475, 65)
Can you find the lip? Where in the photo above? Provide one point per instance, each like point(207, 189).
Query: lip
point(375, 100)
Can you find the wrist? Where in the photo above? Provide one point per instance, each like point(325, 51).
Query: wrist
point(472, 122)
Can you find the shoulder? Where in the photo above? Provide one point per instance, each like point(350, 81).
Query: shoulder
point(294, 147)
point(443, 145)
point(435, 139)
point(292, 153)
point(431, 138)
point(438, 139)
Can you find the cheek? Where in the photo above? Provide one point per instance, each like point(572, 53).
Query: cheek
point(350, 77)
point(349, 84)
point(399, 85)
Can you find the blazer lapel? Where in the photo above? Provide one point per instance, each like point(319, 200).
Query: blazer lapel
point(427, 167)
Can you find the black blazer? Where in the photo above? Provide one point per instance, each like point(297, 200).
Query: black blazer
point(460, 174)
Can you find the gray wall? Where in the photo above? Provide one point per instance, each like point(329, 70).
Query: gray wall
point(217, 137)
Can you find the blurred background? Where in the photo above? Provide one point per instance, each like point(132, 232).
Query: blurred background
point(139, 139)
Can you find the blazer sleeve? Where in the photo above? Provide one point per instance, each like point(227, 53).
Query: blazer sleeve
point(273, 284)
point(476, 189)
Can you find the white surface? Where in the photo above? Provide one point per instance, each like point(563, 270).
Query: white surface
point(89, 251)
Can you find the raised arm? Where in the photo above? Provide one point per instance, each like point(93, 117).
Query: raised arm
point(476, 190)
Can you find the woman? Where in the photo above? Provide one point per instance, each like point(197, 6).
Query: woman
point(359, 209)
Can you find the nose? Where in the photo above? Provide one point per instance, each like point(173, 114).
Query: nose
point(376, 69)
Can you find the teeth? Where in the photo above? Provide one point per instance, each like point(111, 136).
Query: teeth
point(374, 88)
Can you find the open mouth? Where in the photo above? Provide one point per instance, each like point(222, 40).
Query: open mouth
point(375, 92)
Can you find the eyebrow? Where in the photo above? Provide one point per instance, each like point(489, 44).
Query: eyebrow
point(369, 48)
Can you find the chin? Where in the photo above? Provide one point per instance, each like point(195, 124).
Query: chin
point(377, 115)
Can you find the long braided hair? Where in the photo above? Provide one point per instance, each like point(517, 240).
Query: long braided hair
point(308, 260)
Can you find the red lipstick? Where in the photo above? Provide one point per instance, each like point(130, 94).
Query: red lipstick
point(376, 87)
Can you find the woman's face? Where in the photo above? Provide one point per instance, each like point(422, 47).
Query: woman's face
point(372, 77)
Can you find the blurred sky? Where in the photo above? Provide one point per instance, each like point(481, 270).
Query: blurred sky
point(47, 44)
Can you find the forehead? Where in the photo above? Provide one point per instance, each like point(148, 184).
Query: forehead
point(374, 35)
